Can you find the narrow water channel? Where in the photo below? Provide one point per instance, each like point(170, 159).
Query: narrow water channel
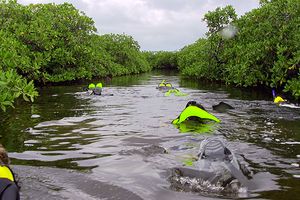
point(69, 145)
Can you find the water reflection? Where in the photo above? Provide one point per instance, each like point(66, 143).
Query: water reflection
point(196, 128)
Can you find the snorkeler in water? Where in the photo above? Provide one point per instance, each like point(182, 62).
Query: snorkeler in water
point(95, 89)
point(280, 101)
point(194, 111)
point(215, 165)
point(165, 85)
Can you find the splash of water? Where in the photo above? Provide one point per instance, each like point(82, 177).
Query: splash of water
point(205, 187)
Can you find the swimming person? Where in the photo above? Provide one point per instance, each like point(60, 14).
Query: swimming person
point(215, 157)
point(94, 89)
point(215, 170)
point(222, 107)
point(164, 85)
point(9, 189)
point(277, 99)
point(194, 111)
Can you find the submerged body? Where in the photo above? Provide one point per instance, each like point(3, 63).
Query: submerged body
point(96, 91)
point(283, 102)
point(222, 107)
point(215, 157)
point(194, 111)
point(216, 171)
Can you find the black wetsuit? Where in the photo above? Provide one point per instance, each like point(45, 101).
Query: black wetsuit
point(194, 103)
point(8, 190)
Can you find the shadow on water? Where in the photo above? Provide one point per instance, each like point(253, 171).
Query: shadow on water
point(54, 103)
point(121, 139)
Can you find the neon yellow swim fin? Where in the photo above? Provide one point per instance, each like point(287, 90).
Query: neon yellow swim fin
point(194, 111)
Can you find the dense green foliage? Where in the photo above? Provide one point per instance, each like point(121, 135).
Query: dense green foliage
point(12, 86)
point(125, 55)
point(162, 59)
point(53, 43)
point(265, 50)
point(192, 60)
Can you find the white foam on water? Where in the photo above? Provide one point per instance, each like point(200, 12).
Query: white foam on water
point(289, 105)
point(243, 192)
point(295, 164)
point(199, 184)
point(290, 143)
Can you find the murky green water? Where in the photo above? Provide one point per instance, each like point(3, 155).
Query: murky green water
point(104, 136)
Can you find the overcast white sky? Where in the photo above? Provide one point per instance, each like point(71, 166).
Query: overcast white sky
point(156, 24)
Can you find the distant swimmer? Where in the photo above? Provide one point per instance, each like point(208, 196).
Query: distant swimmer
point(164, 85)
point(280, 101)
point(97, 89)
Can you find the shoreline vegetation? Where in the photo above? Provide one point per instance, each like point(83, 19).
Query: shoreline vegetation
point(52, 43)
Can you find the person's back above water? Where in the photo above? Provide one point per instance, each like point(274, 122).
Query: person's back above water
point(9, 189)
point(194, 111)
point(216, 158)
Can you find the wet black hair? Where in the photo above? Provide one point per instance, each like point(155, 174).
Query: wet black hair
point(194, 103)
